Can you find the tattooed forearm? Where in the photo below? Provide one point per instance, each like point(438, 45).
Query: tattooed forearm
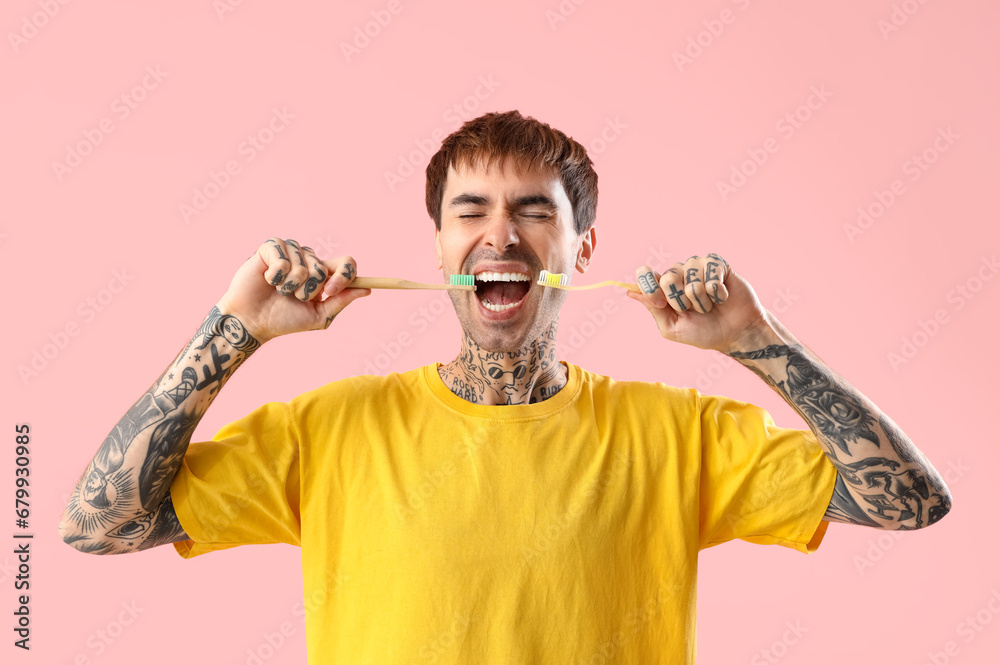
point(128, 480)
point(163, 458)
point(141, 532)
point(883, 480)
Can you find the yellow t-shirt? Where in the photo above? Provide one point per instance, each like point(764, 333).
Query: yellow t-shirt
point(437, 530)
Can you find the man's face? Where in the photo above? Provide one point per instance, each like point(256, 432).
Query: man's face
point(505, 222)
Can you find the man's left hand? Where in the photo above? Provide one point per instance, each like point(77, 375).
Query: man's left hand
point(702, 302)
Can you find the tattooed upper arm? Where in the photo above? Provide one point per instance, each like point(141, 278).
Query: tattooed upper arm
point(165, 527)
point(843, 508)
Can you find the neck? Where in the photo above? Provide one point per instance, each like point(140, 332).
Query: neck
point(525, 376)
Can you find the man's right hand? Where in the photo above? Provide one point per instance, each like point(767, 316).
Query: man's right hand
point(278, 290)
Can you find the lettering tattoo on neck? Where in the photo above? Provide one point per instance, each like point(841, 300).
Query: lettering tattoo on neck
point(522, 376)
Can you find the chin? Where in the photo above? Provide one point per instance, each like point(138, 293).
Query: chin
point(498, 341)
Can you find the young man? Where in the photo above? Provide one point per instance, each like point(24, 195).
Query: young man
point(506, 506)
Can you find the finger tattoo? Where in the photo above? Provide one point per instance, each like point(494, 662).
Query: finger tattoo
point(313, 282)
point(711, 271)
point(676, 295)
point(647, 283)
point(715, 256)
point(715, 294)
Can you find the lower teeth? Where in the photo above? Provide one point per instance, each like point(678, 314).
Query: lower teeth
point(497, 308)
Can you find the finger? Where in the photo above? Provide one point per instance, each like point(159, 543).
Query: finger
point(342, 272)
point(275, 255)
point(716, 257)
point(334, 305)
point(317, 275)
point(716, 271)
point(672, 283)
point(297, 273)
point(649, 285)
point(694, 286)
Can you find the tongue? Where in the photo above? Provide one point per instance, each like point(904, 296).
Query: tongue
point(502, 293)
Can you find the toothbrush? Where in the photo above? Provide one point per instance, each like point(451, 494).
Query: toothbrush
point(457, 283)
point(561, 281)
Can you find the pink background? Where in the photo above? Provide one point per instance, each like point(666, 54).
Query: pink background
point(670, 134)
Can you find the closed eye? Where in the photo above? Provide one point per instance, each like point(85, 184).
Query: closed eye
point(528, 216)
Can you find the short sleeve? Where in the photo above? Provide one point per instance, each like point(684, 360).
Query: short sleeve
point(241, 487)
point(760, 483)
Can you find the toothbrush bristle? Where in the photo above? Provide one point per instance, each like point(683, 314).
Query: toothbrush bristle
point(463, 280)
point(546, 278)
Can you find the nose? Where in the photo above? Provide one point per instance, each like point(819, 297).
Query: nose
point(501, 232)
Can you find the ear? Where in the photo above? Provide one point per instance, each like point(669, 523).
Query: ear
point(588, 244)
point(437, 246)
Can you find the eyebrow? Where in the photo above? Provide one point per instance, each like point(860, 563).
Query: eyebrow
point(520, 202)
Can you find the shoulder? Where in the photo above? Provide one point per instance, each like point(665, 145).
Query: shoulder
point(360, 390)
point(601, 386)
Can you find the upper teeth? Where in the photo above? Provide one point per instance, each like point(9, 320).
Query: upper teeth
point(503, 277)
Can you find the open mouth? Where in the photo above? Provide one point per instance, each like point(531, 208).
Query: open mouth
point(499, 292)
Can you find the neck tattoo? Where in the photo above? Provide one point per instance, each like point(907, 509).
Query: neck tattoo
point(525, 376)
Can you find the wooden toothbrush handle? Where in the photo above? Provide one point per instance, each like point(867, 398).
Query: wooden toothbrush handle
point(395, 283)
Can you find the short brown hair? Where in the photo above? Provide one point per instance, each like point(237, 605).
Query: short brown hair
point(494, 137)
